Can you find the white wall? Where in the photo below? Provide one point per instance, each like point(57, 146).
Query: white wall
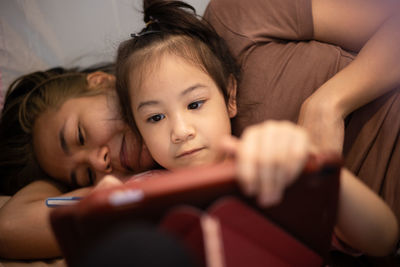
point(38, 34)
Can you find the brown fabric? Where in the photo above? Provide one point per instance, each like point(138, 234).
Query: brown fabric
point(282, 66)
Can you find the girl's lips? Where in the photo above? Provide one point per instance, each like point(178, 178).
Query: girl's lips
point(189, 152)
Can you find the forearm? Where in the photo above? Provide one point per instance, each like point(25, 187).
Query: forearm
point(374, 72)
point(24, 225)
point(27, 235)
point(365, 222)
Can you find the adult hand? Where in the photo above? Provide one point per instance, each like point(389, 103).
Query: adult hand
point(107, 182)
point(324, 124)
point(270, 156)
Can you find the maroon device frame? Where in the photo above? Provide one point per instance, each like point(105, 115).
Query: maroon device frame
point(307, 212)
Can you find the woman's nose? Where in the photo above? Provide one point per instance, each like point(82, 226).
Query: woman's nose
point(182, 131)
point(100, 159)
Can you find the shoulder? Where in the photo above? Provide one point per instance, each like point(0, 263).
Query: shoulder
point(262, 20)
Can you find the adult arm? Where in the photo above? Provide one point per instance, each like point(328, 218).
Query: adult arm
point(271, 155)
point(364, 221)
point(370, 27)
point(24, 224)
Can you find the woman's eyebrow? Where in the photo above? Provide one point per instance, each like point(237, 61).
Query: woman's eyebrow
point(65, 148)
point(63, 142)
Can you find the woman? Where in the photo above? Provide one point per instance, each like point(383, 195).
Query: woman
point(67, 124)
point(331, 66)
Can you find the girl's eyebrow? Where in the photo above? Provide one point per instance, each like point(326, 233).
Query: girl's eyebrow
point(184, 92)
point(147, 103)
point(192, 88)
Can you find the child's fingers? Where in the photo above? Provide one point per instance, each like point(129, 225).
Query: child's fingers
point(247, 161)
point(271, 169)
point(271, 188)
point(300, 150)
point(269, 157)
point(277, 152)
point(229, 145)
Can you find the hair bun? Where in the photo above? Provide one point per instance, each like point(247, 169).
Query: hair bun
point(164, 10)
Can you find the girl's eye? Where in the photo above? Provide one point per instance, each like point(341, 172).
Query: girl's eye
point(90, 176)
point(80, 136)
point(156, 118)
point(196, 104)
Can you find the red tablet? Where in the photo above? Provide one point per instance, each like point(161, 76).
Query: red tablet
point(307, 213)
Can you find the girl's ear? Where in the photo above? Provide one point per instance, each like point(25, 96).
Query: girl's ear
point(232, 89)
point(100, 79)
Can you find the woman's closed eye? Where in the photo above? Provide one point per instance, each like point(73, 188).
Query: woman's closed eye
point(196, 104)
point(91, 176)
point(80, 136)
point(156, 118)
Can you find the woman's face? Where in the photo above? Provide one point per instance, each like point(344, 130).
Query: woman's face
point(83, 140)
point(181, 114)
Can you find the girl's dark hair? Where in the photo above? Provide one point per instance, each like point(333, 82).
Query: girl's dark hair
point(171, 27)
point(26, 99)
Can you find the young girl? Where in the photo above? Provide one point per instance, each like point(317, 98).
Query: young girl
point(176, 82)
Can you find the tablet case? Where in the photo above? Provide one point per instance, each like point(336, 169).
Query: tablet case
point(301, 225)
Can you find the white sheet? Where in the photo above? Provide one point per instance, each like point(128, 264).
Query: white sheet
point(39, 34)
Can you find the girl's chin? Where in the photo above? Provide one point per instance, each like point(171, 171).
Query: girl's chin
point(196, 163)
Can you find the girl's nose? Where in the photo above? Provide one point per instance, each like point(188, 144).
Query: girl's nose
point(101, 160)
point(182, 131)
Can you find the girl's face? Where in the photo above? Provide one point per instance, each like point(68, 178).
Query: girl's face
point(82, 141)
point(181, 113)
